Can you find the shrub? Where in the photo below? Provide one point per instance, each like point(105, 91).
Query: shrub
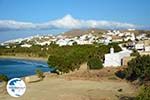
point(144, 93)
point(3, 78)
point(139, 68)
point(39, 73)
point(95, 63)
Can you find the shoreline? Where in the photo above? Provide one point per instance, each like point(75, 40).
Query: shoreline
point(25, 58)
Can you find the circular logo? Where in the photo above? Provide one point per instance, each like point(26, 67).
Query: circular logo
point(16, 87)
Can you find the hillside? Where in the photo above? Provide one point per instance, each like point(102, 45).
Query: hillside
point(98, 32)
point(79, 32)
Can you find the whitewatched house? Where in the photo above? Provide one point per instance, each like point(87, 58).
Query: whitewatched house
point(147, 48)
point(141, 36)
point(129, 36)
point(139, 46)
point(26, 45)
point(115, 59)
point(106, 39)
point(62, 42)
point(44, 43)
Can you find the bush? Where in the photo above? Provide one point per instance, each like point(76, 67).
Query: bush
point(3, 78)
point(39, 73)
point(144, 93)
point(95, 63)
point(139, 68)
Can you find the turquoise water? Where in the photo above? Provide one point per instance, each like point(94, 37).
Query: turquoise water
point(16, 68)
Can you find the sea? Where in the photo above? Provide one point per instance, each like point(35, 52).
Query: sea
point(17, 68)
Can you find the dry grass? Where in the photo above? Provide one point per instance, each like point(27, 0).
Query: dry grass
point(80, 85)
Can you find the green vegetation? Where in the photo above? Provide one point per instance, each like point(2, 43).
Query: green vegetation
point(115, 46)
point(144, 93)
point(65, 58)
point(69, 58)
point(34, 51)
point(39, 73)
point(95, 63)
point(3, 78)
point(139, 68)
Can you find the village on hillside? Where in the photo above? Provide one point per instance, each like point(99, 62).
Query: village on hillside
point(128, 41)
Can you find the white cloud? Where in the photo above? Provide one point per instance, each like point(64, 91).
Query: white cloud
point(10, 24)
point(67, 22)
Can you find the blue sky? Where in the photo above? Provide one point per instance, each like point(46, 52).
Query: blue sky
point(21, 18)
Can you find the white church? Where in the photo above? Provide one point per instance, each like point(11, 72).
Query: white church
point(115, 59)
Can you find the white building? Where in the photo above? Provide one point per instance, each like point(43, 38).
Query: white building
point(139, 46)
point(141, 36)
point(26, 45)
point(115, 59)
point(106, 39)
point(147, 48)
point(62, 42)
point(132, 37)
point(131, 29)
point(44, 43)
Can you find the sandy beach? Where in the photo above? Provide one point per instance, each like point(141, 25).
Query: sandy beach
point(25, 57)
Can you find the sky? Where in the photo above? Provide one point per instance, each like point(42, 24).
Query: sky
point(23, 18)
